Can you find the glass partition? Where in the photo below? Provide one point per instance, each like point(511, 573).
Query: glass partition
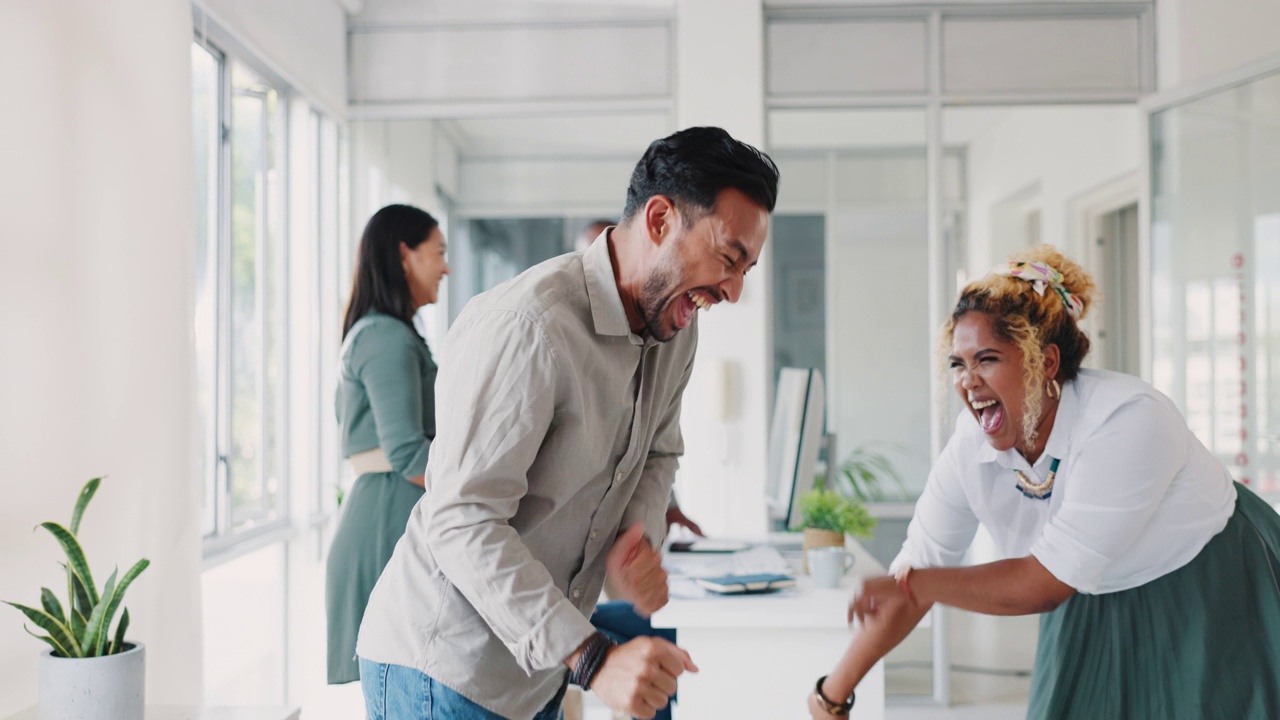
point(1215, 262)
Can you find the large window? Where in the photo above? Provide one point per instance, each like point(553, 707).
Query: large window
point(253, 457)
point(272, 272)
point(239, 131)
point(206, 80)
point(332, 247)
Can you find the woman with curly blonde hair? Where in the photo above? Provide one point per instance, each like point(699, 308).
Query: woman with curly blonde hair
point(1156, 576)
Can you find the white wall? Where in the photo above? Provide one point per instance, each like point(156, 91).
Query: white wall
point(874, 203)
point(402, 161)
point(720, 51)
point(1198, 39)
point(96, 288)
point(305, 41)
point(1044, 157)
point(470, 12)
point(538, 186)
point(394, 161)
point(562, 164)
point(878, 331)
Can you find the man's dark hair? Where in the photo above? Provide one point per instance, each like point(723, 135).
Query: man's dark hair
point(693, 166)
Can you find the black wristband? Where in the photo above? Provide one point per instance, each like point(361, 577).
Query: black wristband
point(839, 709)
point(594, 651)
point(595, 663)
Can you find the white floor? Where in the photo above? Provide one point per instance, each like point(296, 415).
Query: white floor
point(958, 712)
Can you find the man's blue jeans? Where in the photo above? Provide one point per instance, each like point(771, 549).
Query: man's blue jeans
point(395, 692)
point(621, 623)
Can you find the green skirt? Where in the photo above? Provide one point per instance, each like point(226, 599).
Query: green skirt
point(373, 518)
point(1200, 642)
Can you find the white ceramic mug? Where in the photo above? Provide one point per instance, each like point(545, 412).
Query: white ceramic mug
point(828, 565)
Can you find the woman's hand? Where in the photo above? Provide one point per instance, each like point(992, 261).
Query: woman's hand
point(877, 595)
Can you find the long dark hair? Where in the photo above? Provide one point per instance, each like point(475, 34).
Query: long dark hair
point(379, 282)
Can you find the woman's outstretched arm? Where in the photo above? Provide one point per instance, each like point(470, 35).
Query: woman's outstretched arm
point(880, 633)
point(1006, 587)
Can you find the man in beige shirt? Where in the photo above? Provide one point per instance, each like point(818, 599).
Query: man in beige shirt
point(675, 516)
point(558, 438)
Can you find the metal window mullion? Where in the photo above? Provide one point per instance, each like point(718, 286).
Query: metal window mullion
point(831, 208)
point(1248, 313)
point(981, 11)
point(936, 269)
point(261, 266)
point(284, 456)
point(317, 216)
point(222, 290)
point(1212, 346)
point(280, 398)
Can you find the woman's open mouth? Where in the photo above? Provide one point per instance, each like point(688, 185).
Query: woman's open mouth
point(990, 415)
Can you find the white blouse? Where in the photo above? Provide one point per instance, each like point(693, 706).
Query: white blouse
point(1137, 496)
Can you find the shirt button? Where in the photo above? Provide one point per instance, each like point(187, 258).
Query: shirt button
point(577, 593)
point(618, 476)
point(594, 534)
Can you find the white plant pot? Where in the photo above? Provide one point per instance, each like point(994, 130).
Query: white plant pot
point(102, 688)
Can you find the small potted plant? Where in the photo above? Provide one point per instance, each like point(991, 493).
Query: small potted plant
point(89, 672)
point(827, 516)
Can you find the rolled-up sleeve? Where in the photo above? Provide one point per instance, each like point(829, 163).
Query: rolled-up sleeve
point(389, 368)
point(943, 524)
point(499, 405)
point(653, 492)
point(1116, 484)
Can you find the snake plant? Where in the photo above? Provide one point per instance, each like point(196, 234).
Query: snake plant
point(81, 629)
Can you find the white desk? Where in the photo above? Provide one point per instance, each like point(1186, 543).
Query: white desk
point(184, 712)
point(759, 655)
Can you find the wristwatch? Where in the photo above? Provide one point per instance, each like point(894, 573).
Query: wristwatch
point(830, 706)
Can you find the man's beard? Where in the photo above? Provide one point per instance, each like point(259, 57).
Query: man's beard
point(655, 297)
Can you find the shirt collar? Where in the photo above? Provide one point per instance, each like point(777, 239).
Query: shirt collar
point(1059, 443)
point(607, 312)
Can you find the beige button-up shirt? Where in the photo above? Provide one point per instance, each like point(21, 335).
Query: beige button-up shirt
point(557, 427)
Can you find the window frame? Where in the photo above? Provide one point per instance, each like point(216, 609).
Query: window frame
point(272, 251)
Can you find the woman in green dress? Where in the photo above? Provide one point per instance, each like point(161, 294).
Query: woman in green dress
point(1156, 577)
point(386, 406)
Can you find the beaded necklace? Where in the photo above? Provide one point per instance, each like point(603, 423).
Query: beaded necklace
point(1038, 491)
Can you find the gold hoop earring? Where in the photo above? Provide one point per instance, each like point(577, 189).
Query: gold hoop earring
point(1054, 390)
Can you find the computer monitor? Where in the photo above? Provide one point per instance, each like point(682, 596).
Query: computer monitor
point(794, 441)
